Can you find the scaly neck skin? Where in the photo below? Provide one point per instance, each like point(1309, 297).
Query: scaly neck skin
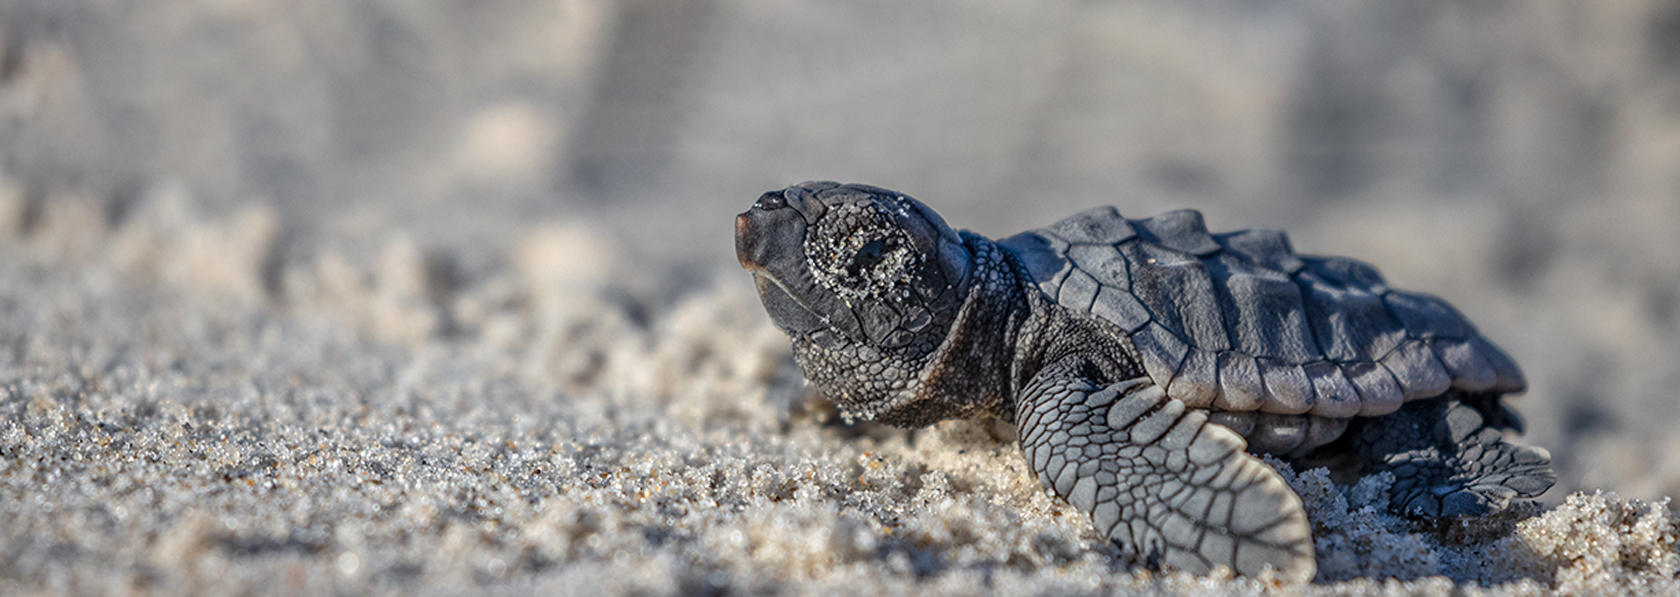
point(971, 371)
point(1050, 332)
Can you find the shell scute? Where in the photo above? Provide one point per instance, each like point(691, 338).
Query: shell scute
point(1240, 386)
point(1349, 324)
point(1078, 291)
point(1267, 247)
point(1179, 292)
point(1419, 373)
point(1180, 230)
point(1098, 226)
point(1197, 381)
point(1119, 306)
point(1427, 316)
point(1271, 319)
point(1288, 391)
point(1379, 394)
point(1508, 377)
point(1334, 394)
point(1470, 371)
point(1102, 262)
point(1161, 350)
point(1350, 273)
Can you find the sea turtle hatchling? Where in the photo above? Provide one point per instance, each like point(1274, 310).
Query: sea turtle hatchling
point(1145, 363)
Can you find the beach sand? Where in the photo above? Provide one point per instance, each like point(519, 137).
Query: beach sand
point(395, 298)
point(546, 429)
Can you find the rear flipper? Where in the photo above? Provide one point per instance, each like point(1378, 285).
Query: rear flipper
point(1449, 457)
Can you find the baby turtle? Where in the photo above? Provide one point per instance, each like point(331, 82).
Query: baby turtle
point(1145, 363)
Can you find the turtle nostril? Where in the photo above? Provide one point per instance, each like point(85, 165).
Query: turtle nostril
point(771, 200)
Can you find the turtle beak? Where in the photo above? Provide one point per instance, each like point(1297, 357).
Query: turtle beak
point(762, 240)
point(770, 237)
point(743, 242)
point(769, 243)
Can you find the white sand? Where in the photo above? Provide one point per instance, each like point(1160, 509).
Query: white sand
point(530, 432)
point(401, 296)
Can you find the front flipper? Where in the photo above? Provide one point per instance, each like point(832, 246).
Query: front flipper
point(1159, 479)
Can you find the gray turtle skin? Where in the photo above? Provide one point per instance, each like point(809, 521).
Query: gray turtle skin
point(1145, 364)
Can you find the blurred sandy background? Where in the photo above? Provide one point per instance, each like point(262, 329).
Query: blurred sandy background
point(523, 208)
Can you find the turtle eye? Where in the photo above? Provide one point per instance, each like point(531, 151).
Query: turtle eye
point(772, 200)
point(857, 250)
point(867, 256)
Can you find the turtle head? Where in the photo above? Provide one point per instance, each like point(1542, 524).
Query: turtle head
point(867, 282)
point(852, 263)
